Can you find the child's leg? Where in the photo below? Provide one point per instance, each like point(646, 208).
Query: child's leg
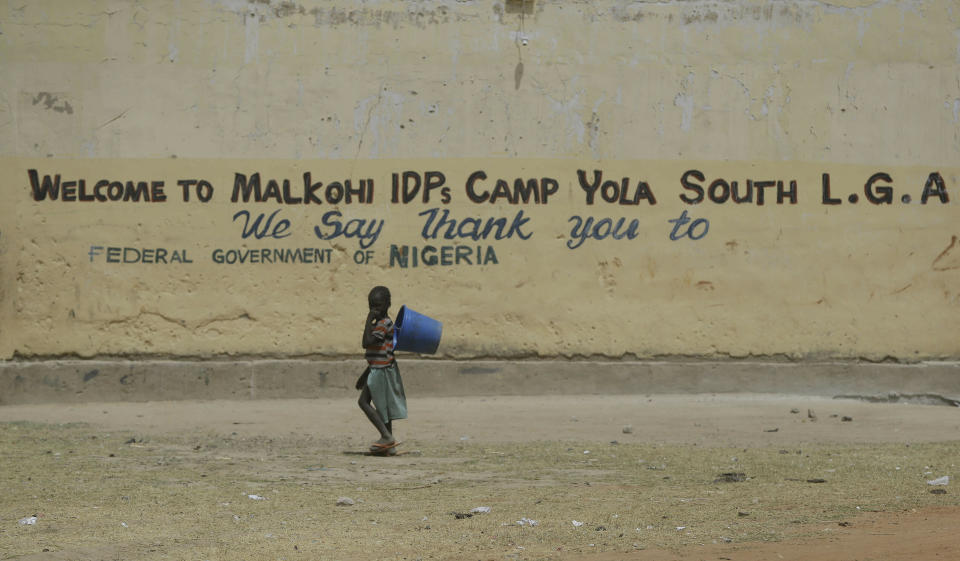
point(392, 451)
point(386, 436)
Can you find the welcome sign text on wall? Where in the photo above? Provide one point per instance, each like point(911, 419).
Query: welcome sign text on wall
point(446, 212)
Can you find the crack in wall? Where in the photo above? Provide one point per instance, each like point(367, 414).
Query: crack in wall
point(179, 322)
point(366, 123)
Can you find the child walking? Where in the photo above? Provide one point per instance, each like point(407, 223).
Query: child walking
point(381, 397)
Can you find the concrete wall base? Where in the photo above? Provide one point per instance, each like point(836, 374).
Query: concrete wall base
point(73, 381)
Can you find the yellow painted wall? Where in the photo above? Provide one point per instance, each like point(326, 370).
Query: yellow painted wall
point(643, 93)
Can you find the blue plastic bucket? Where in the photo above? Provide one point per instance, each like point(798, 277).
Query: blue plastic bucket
point(415, 332)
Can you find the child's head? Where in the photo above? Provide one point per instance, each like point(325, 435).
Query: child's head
point(379, 299)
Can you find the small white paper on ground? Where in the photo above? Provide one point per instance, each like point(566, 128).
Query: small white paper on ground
point(480, 510)
point(28, 521)
point(257, 497)
point(940, 480)
point(577, 523)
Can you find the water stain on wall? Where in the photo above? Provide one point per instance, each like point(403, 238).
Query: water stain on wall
point(53, 102)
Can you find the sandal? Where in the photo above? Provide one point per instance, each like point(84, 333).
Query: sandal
point(383, 453)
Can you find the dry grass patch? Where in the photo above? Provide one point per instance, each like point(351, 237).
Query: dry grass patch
point(120, 496)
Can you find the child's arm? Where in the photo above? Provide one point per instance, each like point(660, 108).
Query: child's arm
point(370, 338)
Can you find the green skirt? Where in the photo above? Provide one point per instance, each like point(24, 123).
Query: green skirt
point(386, 390)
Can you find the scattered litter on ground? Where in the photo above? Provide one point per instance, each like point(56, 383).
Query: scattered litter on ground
point(480, 510)
point(679, 528)
point(628, 429)
point(257, 497)
point(527, 522)
point(462, 515)
point(940, 480)
point(345, 501)
point(577, 523)
point(794, 410)
point(477, 480)
point(846, 419)
point(772, 430)
point(124, 524)
point(730, 477)
point(811, 415)
point(29, 520)
point(816, 480)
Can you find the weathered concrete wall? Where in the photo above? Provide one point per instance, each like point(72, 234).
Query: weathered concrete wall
point(845, 116)
point(77, 381)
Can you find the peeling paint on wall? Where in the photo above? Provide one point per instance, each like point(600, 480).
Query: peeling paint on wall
point(252, 37)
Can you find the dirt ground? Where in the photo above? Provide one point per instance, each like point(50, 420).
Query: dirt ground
point(632, 477)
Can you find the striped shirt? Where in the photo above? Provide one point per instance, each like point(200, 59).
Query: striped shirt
point(381, 352)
